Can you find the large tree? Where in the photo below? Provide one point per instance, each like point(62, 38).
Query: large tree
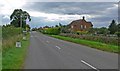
point(112, 27)
point(18, 18)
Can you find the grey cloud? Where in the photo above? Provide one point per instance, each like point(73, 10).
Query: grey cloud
point(71, 8)
point(73, 0)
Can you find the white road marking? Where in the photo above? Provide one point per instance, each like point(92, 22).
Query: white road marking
point(47, 41)
point(31, 36)
point(89, 65)
point(58, 47)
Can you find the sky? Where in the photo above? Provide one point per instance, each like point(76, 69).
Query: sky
point(53, 12)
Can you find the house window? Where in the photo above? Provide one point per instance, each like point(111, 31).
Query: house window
point(81, 26)
point(85, 26)
point(71, 26)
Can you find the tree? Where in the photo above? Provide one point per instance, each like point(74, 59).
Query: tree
point(118, 30)
point(93, 30)
point(60, 24)
point(19, 16)
point(27, 27)
point(103, 30)
point(56, 26)
point(65, 29)
point(112, 27)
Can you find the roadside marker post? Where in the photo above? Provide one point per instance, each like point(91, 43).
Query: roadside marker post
point(18, 44)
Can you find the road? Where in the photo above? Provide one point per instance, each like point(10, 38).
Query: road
point(50, 53)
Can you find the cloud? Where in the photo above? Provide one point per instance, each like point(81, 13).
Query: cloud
point(7, 6)
point(96, 12)
point(69, 7)
point(73, 0)
point(51, 13)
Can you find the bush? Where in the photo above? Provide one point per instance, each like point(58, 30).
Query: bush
point(8, 32)
point(103, 39)
point(51, 31)
point(10, 35)
point(117, 33)
point(81, 32)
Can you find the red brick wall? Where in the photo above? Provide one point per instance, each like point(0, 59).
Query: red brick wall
point(77, 25)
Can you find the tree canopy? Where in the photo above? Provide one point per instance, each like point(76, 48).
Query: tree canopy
point(18, 18)
point(112, 27)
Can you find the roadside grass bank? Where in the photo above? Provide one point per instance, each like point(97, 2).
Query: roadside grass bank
point(92, 44)
point(12, 57)
point(9, 42)
point(0, 55)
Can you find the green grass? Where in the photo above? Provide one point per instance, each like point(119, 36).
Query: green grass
point(0, 59)
point(92, 44)
point(14, 57)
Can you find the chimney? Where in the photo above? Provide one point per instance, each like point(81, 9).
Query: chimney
point(83, 18)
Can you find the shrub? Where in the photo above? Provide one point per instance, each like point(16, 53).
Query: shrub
point(51, 31)
point(10, 35)
point(117, 33)
point(103, 39)
point(8, 32)
point(81, 32)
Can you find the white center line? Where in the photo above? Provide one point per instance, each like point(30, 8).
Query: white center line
point(89, 65)
point(47, 41)
point(31, 36)
point(58, 47)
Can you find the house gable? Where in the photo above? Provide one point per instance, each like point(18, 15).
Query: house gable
point(80, 25)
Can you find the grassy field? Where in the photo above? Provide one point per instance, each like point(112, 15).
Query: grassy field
point(14, 57)
point(92, 44)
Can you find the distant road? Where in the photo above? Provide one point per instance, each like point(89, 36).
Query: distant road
point(50, 53)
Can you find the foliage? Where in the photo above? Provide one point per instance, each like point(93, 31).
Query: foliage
point(19, 16)
point(97, 38)
point(92, 30)
point(118, 33)
point(118, 30)
point(12, 57)
point(112, 27)
point(52, 31)
point(11, 31)
point(103, 30)
point(34, 29)
point(28, 27)
point(81, 32)
point(65, 29)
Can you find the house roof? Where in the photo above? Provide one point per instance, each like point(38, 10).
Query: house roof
point(80, 21)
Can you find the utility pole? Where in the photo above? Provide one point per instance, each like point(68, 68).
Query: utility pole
point(18, 43)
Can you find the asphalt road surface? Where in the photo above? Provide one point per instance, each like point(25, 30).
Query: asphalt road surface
point(50, 53)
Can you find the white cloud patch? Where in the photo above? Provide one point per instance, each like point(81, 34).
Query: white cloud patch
point(58, 17)
point(7, 6)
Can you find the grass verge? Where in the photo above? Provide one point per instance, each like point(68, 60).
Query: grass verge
point(92, 44)
point(14, 57)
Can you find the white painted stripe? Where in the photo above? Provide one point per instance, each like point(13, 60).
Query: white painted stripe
point(47, 41)
point(58, 47)
point(89, 65)
point(31, 36)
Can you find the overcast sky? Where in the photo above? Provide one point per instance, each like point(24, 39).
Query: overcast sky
point(51, 12)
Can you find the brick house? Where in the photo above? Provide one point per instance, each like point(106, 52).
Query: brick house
point(80, 25)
